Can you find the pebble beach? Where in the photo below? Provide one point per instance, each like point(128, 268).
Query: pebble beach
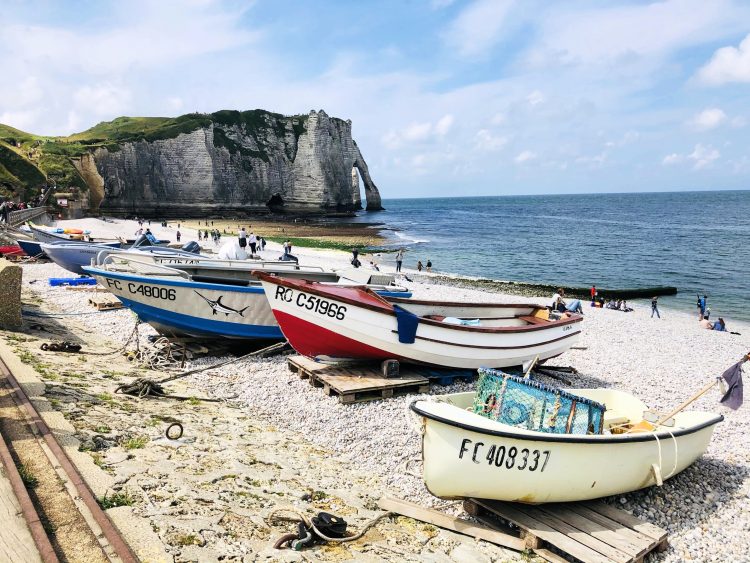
point(375, 445)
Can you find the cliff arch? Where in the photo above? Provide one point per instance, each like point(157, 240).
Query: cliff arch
point(372, 195)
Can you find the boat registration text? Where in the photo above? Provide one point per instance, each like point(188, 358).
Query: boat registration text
point(145, 290)
point(311, 303)
point(500, 456)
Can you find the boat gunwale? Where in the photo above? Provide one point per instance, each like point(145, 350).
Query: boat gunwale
point(302, 285)
point(568, 438)
point(156, 280)
point(519, 347)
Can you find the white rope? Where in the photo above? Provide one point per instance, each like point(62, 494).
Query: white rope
point(676, 452)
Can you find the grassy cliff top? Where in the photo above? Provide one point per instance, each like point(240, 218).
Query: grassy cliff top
point(27, 160)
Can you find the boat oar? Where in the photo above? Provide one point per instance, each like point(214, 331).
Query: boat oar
point(645, 426)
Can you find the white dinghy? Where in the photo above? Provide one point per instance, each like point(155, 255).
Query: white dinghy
point(469, 455)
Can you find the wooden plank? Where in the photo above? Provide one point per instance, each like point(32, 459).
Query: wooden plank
point(645, 542)
point(547, 555)
point(352, 384)
point(627, 519)
point(608, 543)
point(442, 520)
point(605, 534)
point(543, 531)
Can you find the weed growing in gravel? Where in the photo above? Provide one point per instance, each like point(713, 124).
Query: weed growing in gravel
point(188, 539)
point(193, 401)
point(28, 478)
point(135, 443)
point(103, 429)
point(114, 500)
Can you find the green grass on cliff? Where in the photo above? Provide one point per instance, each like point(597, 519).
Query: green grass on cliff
point(27, 160)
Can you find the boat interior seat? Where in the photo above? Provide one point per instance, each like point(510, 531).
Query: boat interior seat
point(532, 320)
point(613, 417)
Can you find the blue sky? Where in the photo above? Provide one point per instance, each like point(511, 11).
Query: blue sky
point(447, 97)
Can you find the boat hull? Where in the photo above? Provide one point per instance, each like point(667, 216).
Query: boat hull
point(74, 256)
point(464, 461)
point(362, 333)
point(178, 307)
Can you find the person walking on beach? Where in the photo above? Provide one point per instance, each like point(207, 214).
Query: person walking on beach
point(419, 265)
point(289, 246)
point(262, 242)
point(355, 258)
point(243, 237)
point(655, 307)
point(286, 248)
point(593, 293)
point(399, 259)
point(253, 242)
point(702, 306)
point(200, 235)
point(429, 265)
point(179, 234)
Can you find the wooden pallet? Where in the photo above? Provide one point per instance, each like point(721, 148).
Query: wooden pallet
point(105, 302)
point(442, 376)
point(592, 531)
point(355, 384)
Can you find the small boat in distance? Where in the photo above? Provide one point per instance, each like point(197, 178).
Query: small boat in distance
point(468, 455)
point(352, 322)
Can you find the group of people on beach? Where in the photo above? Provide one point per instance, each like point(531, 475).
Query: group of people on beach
point(255, 242)
point(704, 315)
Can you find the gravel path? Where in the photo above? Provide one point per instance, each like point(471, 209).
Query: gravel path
point(662, 361)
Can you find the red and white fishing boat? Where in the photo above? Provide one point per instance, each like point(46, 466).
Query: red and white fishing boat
point(353, 322)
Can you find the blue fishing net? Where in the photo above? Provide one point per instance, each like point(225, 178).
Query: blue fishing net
point(534, 406)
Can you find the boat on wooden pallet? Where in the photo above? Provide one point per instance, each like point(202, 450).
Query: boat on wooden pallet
point(355, 323)
point(469, 455)
point(177, 303)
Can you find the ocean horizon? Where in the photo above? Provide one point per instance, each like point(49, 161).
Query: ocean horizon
point(695, 241)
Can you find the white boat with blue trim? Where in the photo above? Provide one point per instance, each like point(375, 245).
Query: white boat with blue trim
point(469, 455)
point(202, 303)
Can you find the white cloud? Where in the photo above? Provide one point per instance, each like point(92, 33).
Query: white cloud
point(444, 125)
point(498, 119)
point(728, 64)
point(703, 156)
point(535, 98)
point(486, 141)
point(24, 119)
point(175, 103)
point(102, 99)
point(418, 132)
point(628, 32)
point(709, 118)
point(525, 156)
point(478, 27)
point(673, 158)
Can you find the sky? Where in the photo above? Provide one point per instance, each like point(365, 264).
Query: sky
point(447, 97)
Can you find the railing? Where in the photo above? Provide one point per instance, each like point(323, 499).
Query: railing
point(20, 216)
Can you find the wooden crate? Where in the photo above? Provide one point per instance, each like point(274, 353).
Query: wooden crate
point(355, 383)
point(592, 532)
point(105, 302)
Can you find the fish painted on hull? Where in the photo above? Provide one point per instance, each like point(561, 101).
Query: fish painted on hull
point(218, 307)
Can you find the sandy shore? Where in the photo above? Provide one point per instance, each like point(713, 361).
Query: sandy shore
point(354, 453)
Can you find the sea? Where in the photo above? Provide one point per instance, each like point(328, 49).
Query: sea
point(698, 242)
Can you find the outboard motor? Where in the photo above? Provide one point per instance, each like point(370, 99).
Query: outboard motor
point(142, 240)
point(192, 246)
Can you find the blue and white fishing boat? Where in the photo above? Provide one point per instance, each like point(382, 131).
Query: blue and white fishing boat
point(73, 256)
point(178, 303)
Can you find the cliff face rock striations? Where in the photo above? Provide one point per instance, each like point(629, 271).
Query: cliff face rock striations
point(239, 162)
point(228, 162)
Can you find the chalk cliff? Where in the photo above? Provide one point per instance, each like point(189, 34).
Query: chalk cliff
point(228, 162)
point(239, 162)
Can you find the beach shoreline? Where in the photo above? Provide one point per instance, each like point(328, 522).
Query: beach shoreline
point(661, 361)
